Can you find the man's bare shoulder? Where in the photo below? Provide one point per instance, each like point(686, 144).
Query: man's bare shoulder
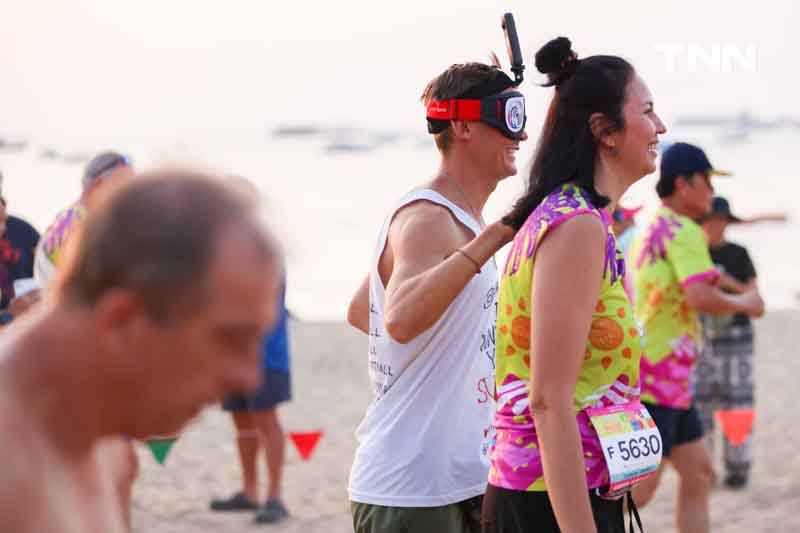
point(427, 223)
point(424, 212)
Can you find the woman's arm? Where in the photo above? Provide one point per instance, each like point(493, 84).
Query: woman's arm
point(566, 283)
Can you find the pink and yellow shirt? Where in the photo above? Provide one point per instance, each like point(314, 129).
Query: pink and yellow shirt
point(610, 371)
point(671, 254)
point(55, 237)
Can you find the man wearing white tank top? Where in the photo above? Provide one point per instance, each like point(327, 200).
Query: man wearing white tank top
point(428, 305)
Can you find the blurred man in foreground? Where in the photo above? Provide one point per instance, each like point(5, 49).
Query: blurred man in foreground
point(149, 323)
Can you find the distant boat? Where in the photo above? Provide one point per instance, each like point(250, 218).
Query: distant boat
point(737, 128)
point(346, 139)
point(48, 153)
point(75, 158)
point(743, 120)
point(735, 135)
point(12, 146)
point(296, 131)
point(385, 137)
point(346, 146)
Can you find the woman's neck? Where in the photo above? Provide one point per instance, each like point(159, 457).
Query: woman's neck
point(609, 181)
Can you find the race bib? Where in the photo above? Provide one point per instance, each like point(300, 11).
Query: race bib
point(631, 443)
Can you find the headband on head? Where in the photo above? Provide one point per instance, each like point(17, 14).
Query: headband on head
point(468, 105)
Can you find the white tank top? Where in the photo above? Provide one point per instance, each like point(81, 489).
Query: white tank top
point(422, 442)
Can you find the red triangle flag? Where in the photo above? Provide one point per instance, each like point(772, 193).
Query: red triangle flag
point(737, 424)
point(305, 442)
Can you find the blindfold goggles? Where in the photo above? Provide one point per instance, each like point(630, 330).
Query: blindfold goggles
point(504, 112)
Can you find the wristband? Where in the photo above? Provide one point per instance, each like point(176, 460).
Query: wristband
point(471, 260)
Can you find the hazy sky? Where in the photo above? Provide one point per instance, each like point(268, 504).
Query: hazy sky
point(170, 68)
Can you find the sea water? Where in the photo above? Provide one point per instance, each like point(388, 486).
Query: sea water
point(326, 195)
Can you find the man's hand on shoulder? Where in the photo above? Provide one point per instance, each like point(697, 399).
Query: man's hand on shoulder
point(501, 233)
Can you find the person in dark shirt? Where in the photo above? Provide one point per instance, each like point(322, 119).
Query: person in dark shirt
point(724, 373)
point(18, 240)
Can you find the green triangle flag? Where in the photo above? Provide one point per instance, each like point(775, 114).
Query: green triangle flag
point(160, 446)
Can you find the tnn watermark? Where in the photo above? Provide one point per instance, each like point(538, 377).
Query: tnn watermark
point(717, 57)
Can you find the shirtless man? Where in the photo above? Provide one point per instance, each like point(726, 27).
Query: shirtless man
point(148, 323)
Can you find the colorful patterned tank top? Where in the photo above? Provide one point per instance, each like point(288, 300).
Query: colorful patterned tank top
point(610, 371)
point(55, 238)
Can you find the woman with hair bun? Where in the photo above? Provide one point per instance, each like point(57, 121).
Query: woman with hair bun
point(572, 437)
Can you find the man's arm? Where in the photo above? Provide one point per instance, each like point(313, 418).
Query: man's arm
point(729, 283)
point(705, 297)
point(428, 273)
point(358, 310)
point(692, 263)
point(765, 217)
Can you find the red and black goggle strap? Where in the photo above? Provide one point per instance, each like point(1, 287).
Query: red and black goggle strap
point(490, 110)
point(455, 109)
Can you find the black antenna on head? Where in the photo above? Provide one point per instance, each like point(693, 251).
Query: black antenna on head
point(512, 44)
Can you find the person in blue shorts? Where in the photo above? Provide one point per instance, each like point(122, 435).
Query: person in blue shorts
point(256, 418)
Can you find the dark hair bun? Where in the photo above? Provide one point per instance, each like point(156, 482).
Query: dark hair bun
point(557, 60)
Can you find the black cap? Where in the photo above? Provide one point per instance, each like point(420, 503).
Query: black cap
point(683, 159)
point(720, 208)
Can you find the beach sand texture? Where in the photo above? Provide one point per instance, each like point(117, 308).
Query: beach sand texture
point(331, 392)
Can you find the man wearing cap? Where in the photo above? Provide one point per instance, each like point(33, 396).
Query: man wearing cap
point(724, 373)
point(428, 305)
point(102, 168)
point(674, 279)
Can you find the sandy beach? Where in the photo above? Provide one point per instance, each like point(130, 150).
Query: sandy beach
point(331, 392)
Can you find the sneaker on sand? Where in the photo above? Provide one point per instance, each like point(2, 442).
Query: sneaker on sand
point(272, 512)
point(237, 502)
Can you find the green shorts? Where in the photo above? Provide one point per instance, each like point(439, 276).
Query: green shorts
point(461, 517)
